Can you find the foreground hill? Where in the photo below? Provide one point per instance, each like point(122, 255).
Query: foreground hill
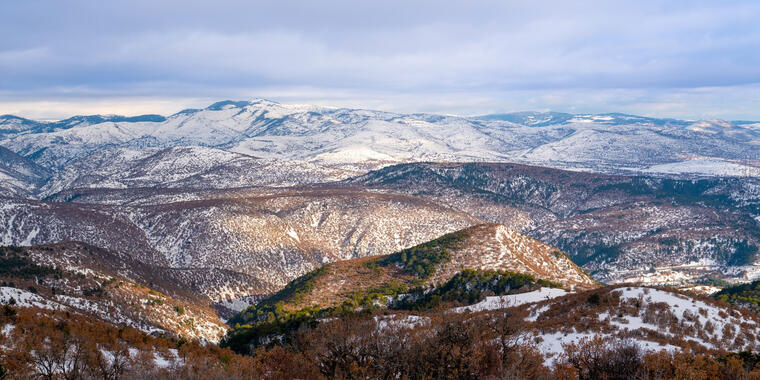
point(485, 247)
point(39, 343)
point(656, 318)
point(643, 333)
point(459, 267)
point(563, 327)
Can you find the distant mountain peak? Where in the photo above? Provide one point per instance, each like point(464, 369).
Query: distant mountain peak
point(714, 122)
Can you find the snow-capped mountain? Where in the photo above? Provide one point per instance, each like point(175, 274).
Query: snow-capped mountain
point(531, 119)
point(368, 139)
point(542, 119)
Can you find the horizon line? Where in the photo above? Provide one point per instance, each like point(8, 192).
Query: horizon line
point(470, 116)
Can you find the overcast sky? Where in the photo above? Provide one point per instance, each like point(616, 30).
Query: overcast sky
point(687, 59)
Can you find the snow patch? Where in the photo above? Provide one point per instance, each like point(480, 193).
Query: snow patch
point(502, 302)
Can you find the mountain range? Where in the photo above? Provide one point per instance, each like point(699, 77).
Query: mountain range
point(222, 215)
point(365, 139)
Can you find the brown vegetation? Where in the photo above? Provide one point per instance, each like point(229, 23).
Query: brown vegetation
point(439, 345)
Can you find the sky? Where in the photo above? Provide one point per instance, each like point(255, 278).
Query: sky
point(685, 59)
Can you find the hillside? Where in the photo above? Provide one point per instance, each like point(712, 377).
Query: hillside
point(743, 295)
point(81, 279)
point(184, 167)
point(606, 330)
point(271, 235)
point(488, 247)
point(53, 344)
point(20, 176)
point(621, 228)
point(647, 332)
point(556, 326)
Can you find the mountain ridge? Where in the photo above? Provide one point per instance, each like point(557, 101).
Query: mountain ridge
point(367, 139)
point(219, 105)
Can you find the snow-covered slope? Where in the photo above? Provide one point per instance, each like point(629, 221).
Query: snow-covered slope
point(615, 226)
point(655, 319)
point(184, 167)
point(364, 139)
point(19, 176)
point(512, 300)
point(712, 167)
point(496, 247)
point(78, 278)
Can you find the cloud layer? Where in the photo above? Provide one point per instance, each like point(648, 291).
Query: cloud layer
point(675, 58)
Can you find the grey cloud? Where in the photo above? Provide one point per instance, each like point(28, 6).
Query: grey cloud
point(643, 51)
